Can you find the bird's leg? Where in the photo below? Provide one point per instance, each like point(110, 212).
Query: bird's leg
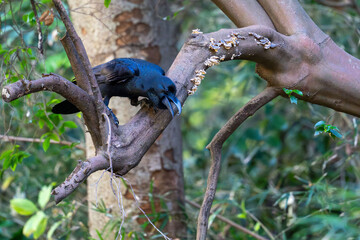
point(106, 101)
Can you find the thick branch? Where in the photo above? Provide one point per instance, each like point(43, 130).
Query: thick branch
point(215, 147)
point(83, 69)
point(76, 63)
point(80, 50)
point(143, 129)
point(80, 173)
point(53, 83)
point(62, 86)
point(290, 18)
point(242, 13)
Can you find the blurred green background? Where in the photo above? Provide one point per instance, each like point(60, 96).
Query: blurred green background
point(277, 178)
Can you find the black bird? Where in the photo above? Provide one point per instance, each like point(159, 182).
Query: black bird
point(132, 78)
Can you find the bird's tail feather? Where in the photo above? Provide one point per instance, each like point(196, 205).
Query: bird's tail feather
point(65, 107)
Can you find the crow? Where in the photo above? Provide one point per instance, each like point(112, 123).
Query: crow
point(132, 78)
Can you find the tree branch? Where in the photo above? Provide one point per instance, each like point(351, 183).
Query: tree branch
point(79, 174)
point(38, 26)
point(290, 18)
point(53, 83)
point(38, 140)
point(335, 3)
point(215, 147)
point(80, 52)
point(229, 222)
point(84, 74)
point(242, 13)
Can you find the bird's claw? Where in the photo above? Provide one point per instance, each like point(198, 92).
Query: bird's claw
point(116, 121)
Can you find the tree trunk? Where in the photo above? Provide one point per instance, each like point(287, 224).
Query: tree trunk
point(135, 29)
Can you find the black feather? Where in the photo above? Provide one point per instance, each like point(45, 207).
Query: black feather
point(132, 78)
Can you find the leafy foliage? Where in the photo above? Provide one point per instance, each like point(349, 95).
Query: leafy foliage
point(290, 92)
point(30, 117)
point(322, 127)
point(276, 179)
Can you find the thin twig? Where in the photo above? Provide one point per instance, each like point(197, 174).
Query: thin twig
point(138, 206)
point(262, 225)
point(229, 222)
point(108, 151)
point(38, 26)
point(334, 4)
point(215, 147)
point(119, 199)
point(38, 140)
point(118, 195)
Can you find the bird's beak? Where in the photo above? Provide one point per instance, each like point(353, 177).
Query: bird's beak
point(167, 103)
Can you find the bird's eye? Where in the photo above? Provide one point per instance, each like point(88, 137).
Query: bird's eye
point(172, 89)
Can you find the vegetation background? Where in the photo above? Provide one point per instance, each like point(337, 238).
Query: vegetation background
point(277, 178)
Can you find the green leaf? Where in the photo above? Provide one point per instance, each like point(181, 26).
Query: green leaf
point(257, 227)
point(241, 216)
point(25, 17)
point(99, 234)
point(319, 124)
point(13, 157)
point(5, 156)
point(298, 92)
point(41, 123)
point(335, 133)
point(23, 206)
point(46, 144)
point(6, 183)
point(36, 225)
point(52, 229)
point(293, 99)
point(44, 196)
point(68, 124)
point(213, 216)
point(287, 91)
point(317, 133)
point(53, 101)
point(107, 3)
point(41, 227)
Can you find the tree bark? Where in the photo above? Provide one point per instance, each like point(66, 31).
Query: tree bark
point(135, 30)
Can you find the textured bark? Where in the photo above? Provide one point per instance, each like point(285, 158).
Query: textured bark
point(130, 30)
point(293, 53)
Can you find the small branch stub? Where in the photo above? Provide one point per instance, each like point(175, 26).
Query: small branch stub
point(5, 94)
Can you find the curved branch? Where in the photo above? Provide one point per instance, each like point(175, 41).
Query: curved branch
point(62, 86)
point(78, 175)
point(215, 147)
point(242, 13)
point(229, 222)
point(75, 62)
point(146, 126)
point(290, 18)
point(83, 73)
point(80, 50)
point(53, 83)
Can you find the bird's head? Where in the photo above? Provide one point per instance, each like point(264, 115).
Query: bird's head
point(162, 94)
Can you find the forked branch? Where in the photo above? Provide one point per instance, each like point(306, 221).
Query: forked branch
point(78, 175)
point(215, 147)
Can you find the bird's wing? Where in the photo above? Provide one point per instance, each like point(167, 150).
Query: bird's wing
point(116, 71)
